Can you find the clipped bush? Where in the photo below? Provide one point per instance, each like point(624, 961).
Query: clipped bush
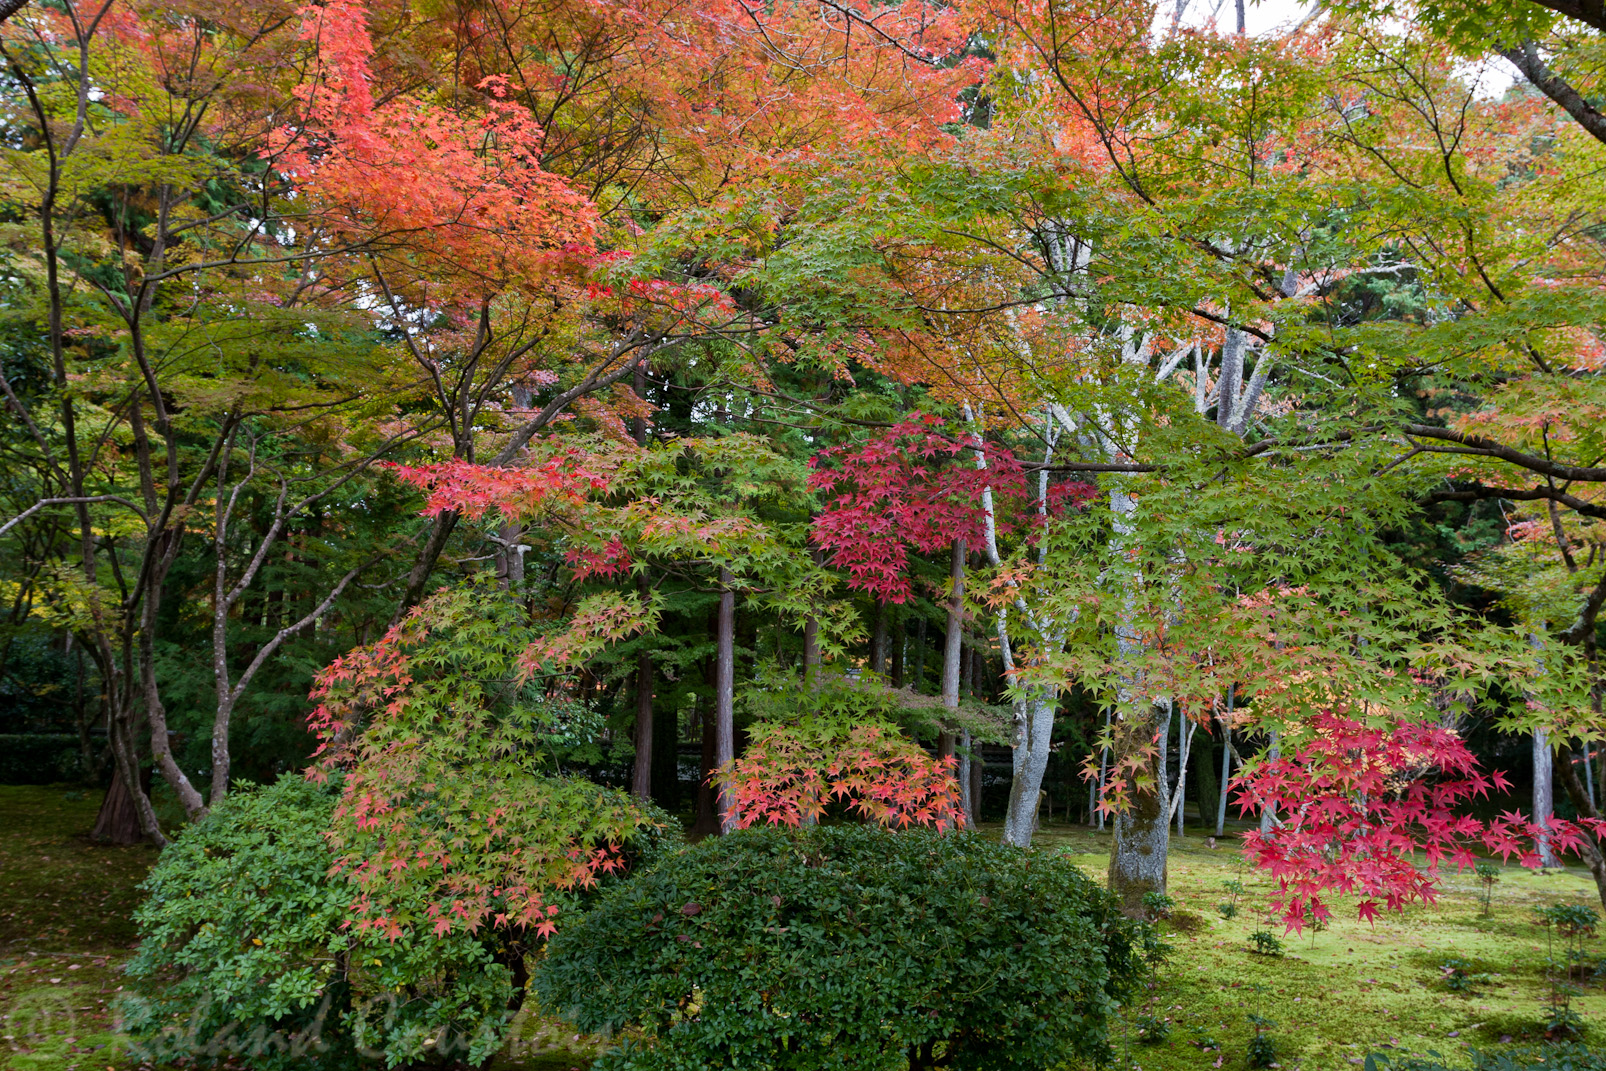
point(39, 758)
point(851, 947)
point(243, 954)
point(1567, 1056)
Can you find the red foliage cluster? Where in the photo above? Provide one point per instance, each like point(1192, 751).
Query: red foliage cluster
point(475, 490)
point(910, 486)
point(786, 776)
point(1358, 799)
point(436, 795)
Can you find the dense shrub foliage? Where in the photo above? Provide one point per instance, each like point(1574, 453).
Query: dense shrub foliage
point(39, 758)
point(847, 947)
point(243, 954)
point(1566, 1056)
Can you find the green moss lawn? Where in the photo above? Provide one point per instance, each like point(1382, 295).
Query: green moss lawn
point(1335, 996)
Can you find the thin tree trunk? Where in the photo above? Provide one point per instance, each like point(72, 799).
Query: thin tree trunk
point(1589, 773)
point(811, 628)
point(1104, 770)
point(707, 823)
point(641, 774)
point(1226, 765)
point(954, 641)
point(1588, 845)
point(899, 641)
point(1268, 813)
point(878, 641)
point(1204, 777)
point(725, 694)
point(1185, 731)
point(919, 676)
point(1544, 794)
point(424, 565)
point(978, 766)
point(963, 774)
point(81, 719)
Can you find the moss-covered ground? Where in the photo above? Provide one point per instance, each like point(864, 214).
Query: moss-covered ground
point(1352, 988)
point(1335, 996)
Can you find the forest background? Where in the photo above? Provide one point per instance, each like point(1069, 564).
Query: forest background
point(1013, 389)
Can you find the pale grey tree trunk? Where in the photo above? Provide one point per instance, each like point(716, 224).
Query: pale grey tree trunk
point(1034, 714)
point(953, 648)
point(967, 802)
point(1031, 761)
point(1142, 838)
point(1142, 832)
point(1104, 772)
point(1544, 805)
point(1185, 729)
point(1544, 794)
point(1268, 813)
point(953, 641)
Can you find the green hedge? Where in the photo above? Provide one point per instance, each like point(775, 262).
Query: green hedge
point(848, 948)
point(38, 758)
point(1562, 1056)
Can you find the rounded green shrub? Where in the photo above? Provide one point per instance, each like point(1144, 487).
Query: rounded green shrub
point(244, 955)
point(849, 947)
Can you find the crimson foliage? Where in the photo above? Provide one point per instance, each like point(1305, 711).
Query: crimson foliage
point(911, 486)
point(1358, 798)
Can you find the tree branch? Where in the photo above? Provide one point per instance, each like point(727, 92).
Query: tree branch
point(79, 500)
point(1525, 57)
point(1479, 446)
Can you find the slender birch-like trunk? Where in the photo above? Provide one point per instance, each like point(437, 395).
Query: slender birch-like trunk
point(954, 641)
point(1544, 794)
point(1034, 714)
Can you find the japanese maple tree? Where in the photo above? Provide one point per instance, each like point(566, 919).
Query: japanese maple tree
point(910, 487)
point(442, 742)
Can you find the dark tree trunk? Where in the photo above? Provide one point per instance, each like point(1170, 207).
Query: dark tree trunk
point(666, 760)
point(898, 643)
point(1578, 794)
point(118, 820)
point(512, 956)
point(878, 641)
point(424, 565)
point(725, 693)
point(1207, 787)
point(811, 628)
point(707, 823)
point(641, 775)
point(920, 656)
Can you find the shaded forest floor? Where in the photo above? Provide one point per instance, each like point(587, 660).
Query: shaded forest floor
point(1349, 990)
point(1352, 988)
